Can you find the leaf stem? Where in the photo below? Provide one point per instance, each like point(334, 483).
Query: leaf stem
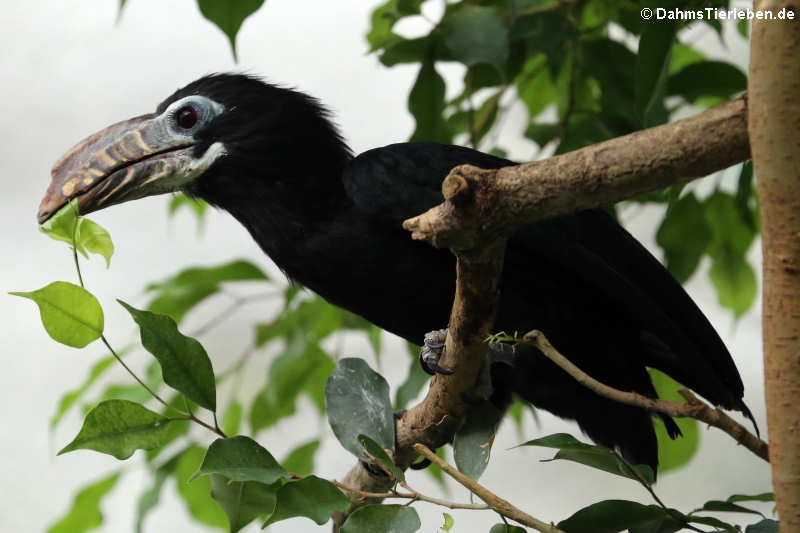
point(189, 415)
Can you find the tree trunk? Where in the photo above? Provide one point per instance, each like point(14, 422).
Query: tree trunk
point(774, 123)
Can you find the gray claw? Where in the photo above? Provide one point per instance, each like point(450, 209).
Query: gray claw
point(431, 353)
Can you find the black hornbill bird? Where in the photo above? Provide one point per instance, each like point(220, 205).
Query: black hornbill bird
point(272, 158)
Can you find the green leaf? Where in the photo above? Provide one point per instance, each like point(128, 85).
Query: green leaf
point(179, 294)
point(707, 78)
point(197, 494)
point(673, 453)
point(295, 369)
point(426, 103)
point(358, 403)
point(149, 498)
point(734, 280)
point(505, 528)
point(449, 522)
point(763, 497)
point(664, 524)
point(180, 200)
point(85, 235)
point(401, 50)
point(177, 428)
point(301, 459)
point(243, 501)
point(535, 87)
point(85, 515)
point(684, 235)
point(63, 225)
point(184, 362)
point(478, 35)
point(383, 19)
point(119, 428)
point(718, 524)
point(229, 16)
point(240, 459)
point(70, 314)
point(232, 420)
point(382, 518)
point(310, 497)
point(597, 457)
point(69, 398)
point(764, 526)
point(416, 379)
point(731, 274)
point(725, 507)
point(743, 28)
point(611, 516)
point(95, 239)
point(378, 454)
point(473, 441)
point(652, 65)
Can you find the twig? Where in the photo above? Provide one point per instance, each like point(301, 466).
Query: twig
point(692, 408)
point(492, 500)
point(412, 495)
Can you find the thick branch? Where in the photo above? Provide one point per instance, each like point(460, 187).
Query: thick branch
point(435, 420)
point(692, 408)
point(481, 205)
point(492, 500)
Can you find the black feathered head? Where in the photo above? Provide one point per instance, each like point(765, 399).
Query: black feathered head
point(216, 138)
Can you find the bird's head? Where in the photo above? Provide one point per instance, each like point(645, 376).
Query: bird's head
point(209, 137)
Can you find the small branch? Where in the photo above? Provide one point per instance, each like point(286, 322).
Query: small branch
point(410, 495)
point(492, 500)
point(482, 205)
point(692, 408)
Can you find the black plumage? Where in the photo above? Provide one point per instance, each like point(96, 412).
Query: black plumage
point(332, 222)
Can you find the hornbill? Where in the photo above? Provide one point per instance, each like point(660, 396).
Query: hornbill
point(273, 159)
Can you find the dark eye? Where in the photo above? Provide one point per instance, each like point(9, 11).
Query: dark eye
point(186, 117)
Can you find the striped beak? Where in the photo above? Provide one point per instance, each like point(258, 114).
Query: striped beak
point(128, 160)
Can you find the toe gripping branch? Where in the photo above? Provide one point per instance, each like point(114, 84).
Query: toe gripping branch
point(432, 351)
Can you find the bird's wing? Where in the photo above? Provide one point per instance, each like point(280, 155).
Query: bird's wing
point(403, 180)
point(400, 181)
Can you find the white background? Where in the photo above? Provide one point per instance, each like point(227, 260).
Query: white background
point(69, 71)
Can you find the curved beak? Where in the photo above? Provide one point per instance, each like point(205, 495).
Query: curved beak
point(128, 160)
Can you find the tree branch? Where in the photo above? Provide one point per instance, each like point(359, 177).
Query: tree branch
point(481, 205)
point(492, 500)
point(692, 408)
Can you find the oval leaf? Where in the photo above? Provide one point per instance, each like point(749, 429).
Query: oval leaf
point(229, 16)
point(473, 441)
point(301, 459)
point(70, 314)
point(85, 513)
point(311, 497)
point(243, 501)
point(379, 454)
point(119, 428)
point(240, 459)
point(478, 35)
point(611, 516)
point(375, 518)
point(184, 362)
point(93, 238)
point(597, 457)
point(358, 403)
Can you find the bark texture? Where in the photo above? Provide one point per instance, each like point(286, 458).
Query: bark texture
point(481, 205)
point(774, 119)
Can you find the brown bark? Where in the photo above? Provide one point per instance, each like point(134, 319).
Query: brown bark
point(484, 204)
point(774, 119)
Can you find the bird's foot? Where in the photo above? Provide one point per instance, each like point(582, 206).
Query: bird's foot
point(432, 351)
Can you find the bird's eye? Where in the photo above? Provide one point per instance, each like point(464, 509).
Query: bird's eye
point(186, 117)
